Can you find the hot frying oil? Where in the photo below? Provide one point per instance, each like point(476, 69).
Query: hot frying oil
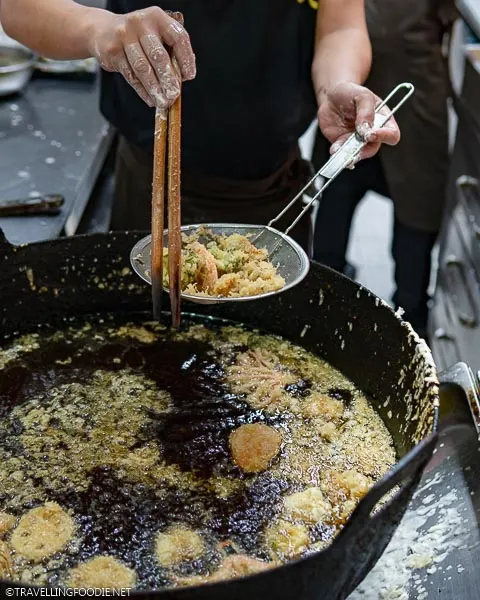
point(127, 428)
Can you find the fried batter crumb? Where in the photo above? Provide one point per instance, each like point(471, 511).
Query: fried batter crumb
point(253, 446)
point(286, 540)
point(42, 532)
point(321, 405)
point(347, 509)
point(328, 431)
point(141, 334)
point(6, 567)
point(178, 545)
point(104, 572)
point(345, 490)
point(309, 506)
point(7, 521)
point(357, 483)
point(318, 451)
point(238, 565)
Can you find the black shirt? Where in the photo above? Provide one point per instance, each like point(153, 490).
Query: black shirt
point(252, 97)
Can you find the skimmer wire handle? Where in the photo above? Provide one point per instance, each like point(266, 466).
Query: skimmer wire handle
point(345, 156)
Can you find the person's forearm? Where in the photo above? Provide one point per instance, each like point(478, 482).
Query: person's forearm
point(137, 44)
point(342, 48)
point(58, 29)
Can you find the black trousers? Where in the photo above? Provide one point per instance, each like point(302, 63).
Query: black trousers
point(411, 248)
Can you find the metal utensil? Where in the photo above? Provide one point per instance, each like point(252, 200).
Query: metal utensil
point(87, 66)
point(290, 259)
point(47, 204)
point(293, 263)
point(16, 69)
point(346, 156)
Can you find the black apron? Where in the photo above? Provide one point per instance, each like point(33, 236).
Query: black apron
point(252, 98)
point(242, 116)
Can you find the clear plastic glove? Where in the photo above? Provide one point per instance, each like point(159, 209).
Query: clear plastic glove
point(135, 45)
point(350, 107)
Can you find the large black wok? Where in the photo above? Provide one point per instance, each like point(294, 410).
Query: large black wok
point(327, 314)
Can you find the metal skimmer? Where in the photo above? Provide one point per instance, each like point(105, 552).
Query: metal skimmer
point(290, 259)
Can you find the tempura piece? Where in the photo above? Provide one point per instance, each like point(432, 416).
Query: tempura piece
point(286, 540)
point(309, 506)
point(321, 405)
point(178, 545)
point(101, 572)
point(345, 490)
point(225, 266)
point(42, 532)
point(348, 485)
point(258, 374)
point(207, 273)
point(237, 565)
point(253, 446)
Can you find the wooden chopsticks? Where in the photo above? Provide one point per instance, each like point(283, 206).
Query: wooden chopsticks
point(174, 200)
point(167, 129)
point(158, 210)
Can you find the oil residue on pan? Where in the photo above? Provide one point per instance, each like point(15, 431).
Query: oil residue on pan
point(135, 456)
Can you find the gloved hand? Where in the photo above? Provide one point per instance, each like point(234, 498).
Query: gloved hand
point(348, 107)
point(135, 45)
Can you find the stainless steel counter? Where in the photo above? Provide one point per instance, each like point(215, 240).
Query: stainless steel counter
point(53, 139)
point(435, 552)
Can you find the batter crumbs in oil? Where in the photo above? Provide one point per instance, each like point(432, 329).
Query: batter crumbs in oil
point(116, 463)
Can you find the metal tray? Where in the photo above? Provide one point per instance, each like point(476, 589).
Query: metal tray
point(66, 67)
point(435, 552)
